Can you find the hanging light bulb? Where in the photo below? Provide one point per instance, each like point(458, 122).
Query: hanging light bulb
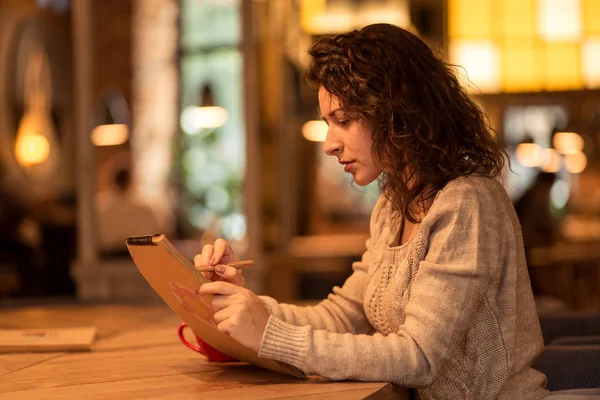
point(36, 141)
point(31, 148)
point(112, 118)
point(110, 134)
point(194, 119)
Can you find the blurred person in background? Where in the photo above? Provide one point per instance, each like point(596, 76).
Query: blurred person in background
point(120, 215)
point(540, 226)
point(441, 301)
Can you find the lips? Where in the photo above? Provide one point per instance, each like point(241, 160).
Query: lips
point(347, 165)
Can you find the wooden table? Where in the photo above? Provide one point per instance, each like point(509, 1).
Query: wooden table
point(137, 355)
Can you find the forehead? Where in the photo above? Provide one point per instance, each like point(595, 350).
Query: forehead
point(327, 101)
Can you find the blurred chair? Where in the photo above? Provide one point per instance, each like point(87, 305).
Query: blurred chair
point(570, 324)
point(576, 394)
point(576, 341)
point(120, 215)
point(570, 367)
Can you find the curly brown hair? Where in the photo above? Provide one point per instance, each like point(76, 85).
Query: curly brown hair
point(426, 129)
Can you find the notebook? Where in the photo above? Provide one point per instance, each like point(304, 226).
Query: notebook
point(37, 340)
point(176, 280)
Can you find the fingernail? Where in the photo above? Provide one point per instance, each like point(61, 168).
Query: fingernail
point(220, 269)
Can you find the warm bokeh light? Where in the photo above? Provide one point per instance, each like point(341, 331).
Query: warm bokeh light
point(591, 22)
point(481, 60)
point(551, 161)
point(318, 17)
point(32, 149)
point(559, 20)
point(530, 154)
point(567, 142)
point(315, 131)
point(469, 19)
point(31, 146)
point(575, 162)
point(526, 45)
point(522, 65)
point(563, 66)
point(590, 58)
point(110, 135)
point(194, 119)
point(516, 17)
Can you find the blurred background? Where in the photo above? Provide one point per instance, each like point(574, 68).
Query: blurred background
point(191, 118)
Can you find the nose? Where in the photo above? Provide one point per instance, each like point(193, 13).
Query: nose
point(332, 145)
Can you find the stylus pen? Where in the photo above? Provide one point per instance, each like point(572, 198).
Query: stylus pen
point(234, 264)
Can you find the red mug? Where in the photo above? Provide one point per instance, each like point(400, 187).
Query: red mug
point(203, 348)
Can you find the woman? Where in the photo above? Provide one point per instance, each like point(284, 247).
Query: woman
point(441, 300)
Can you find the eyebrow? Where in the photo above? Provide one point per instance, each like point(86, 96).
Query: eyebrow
point(332, 113)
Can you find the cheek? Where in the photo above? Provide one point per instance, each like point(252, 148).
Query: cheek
point(366, 138)
point(368, 151)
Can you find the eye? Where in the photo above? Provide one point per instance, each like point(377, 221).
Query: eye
point(344, 122)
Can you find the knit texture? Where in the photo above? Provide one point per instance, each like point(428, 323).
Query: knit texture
point(450, 312)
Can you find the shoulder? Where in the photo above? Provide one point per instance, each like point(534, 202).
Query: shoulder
point(468, 218)
point(471, 203)
point(472, 191)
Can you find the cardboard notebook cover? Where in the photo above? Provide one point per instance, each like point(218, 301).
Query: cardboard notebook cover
point(176, 279)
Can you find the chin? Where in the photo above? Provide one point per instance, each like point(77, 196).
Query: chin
point(363, 180)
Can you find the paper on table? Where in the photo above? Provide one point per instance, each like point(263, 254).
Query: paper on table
point(47, 339)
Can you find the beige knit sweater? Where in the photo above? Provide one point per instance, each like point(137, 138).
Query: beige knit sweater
point(451, 312)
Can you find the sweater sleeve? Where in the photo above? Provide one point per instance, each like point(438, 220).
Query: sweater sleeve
point(342, 311)
point(464, 253)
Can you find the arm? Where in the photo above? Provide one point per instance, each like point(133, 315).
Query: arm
point(342, 311)
point(464, 254)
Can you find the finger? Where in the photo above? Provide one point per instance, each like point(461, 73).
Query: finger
point(230, 274)
point(204, 258)
point(239, 281)
point(220, 302)
point(219, 251)
point(206, 255)
point(223, 251)
point(224, 314)
point(224, 326)
point(219, 287)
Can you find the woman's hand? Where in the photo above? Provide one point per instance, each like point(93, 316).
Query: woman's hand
point(238, 312)
point(218, 255)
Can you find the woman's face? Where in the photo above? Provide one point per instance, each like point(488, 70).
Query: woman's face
point(348, 139)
